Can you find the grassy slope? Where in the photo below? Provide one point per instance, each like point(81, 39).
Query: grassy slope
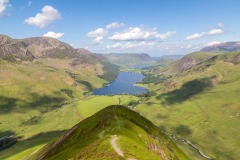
point(184, 63)
point(91, 138)
point(48, 128)
point(39, 123)
point(213, 132)
point(205, 110)
point(34, 94)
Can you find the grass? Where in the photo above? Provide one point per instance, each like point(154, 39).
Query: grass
point(41, 97)
point(89, 106)
point(64, 118)
point(207, 115)
point(206, 112)
point(113, 120)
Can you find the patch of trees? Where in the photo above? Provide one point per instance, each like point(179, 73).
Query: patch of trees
point(6, 142)
point(111, 71)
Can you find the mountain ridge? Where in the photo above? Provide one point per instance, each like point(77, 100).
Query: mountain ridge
point(96, 136)
point(223, 47)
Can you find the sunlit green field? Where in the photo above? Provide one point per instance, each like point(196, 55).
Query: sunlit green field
point(201, 105)
point(209, 117)
point(53, 124)
point(38, 102)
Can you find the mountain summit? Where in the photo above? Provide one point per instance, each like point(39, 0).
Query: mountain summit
point(113, 133)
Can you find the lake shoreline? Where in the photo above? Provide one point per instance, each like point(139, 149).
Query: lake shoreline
point(124, 84)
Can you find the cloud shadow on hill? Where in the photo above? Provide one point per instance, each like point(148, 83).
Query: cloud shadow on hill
point(35, 101)
point(188, 90)
point(36, 140)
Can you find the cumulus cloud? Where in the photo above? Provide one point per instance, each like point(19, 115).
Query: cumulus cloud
point(54, 35)
point(220, 25)
point(140, 34)
point(129, 45)
point(195, 36)
point(208, 33)
point(165, 35)
point(97, 33)
point(214, 31)
point(116, 45)
point(4, 4)
point(133, 34)
point(114, 25)
point(98, 40)
point(212, 43)
point(43, 19)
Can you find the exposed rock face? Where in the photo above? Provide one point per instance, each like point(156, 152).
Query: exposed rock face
point(50, 50)
point(13, 50)
point(191, 60)
point(45, 47)
point(235, 58)
point(187, 63)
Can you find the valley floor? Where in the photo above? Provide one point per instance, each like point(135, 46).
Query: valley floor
point(51, 125)
point(208, 117)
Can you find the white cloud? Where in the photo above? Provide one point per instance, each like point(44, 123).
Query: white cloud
point(133, 34)
point(114, 25)
point(165, 35)
point(140, 34)
point(43, 19)
point(98, 40)
point(54, 35)
point(195, 36)
point(3, 6)
point(144, 43)
point(97, 33)
point(117, 45)
point(213, 43)
point(200, 35)
point(86, 47)
point(129, 45)
point(214, 31)
point(220, 25)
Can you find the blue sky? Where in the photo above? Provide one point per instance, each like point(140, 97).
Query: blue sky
point(156, 27)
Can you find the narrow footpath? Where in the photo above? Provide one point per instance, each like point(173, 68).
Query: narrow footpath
point(117, 149)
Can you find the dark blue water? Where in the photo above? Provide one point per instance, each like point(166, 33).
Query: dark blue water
point(123, 84)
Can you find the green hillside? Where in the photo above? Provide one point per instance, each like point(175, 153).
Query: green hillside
point(200, 104)
point(113, 133)
point(36, 90)
point(194, 100)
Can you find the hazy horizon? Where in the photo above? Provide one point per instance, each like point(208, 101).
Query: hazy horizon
point(156, 28)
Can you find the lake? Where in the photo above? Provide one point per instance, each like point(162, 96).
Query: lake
point(123, 84)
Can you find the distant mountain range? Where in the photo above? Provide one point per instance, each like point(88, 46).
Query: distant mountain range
point(129, 59)
point(223, 47)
